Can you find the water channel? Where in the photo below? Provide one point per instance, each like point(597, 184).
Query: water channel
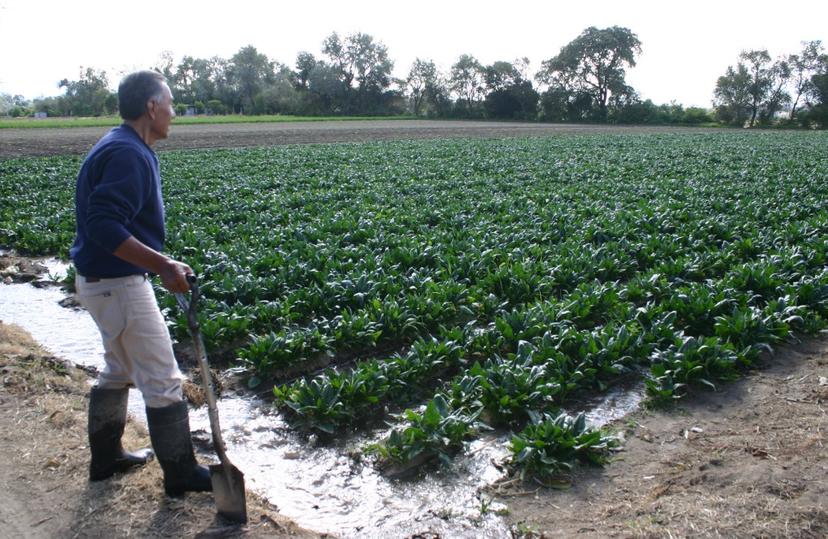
point(320, 487)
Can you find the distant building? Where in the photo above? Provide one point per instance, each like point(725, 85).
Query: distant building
point(40, 115)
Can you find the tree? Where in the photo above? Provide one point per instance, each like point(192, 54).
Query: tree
point(819, 110)
point(641, 112)
point(248, 72)
point(421, 82)
point(803, 67)
point(755, 89)
point(89, 95)
point(52, 106)
point(373, 72)
point(165, 64)
point(696, 115)
point(279, 97)
point(326, 92)
point(518, 102)
point(217, 81)
point(334, 48)
point(818, 94)
point(196, 79)
point(594, 63)
point(636, 111)
point(305, 62)
point(438, 99)
point(500, 76)
point(560, 105)
point(554, 105)
point(466, 81)
point(215, 106)
point(181, 83)
point(522, 67)
point(510, 95)
point(12, 103)
point(732, 97)
point(371, 61)
point(206, 76)
point(760, 79)
point(819, 89)
point(780, 75)
point(363, 68)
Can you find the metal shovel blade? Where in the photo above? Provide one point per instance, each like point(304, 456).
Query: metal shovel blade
point(228, 491)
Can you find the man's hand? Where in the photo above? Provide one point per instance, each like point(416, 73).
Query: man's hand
point(174, 276)
point(172, 272)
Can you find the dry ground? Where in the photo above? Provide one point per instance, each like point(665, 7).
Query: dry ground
point(44, 459)
point(18, 142)
point(747, 461)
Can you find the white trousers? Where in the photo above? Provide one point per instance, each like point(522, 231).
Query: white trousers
point(137, 345)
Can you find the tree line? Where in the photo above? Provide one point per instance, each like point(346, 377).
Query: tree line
point(758, 88)
point(584, 82)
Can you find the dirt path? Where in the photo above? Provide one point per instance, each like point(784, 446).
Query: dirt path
point(46, 141)
point(747, 461)
point(44, 459)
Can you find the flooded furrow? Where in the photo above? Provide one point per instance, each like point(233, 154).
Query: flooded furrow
point(324, 488)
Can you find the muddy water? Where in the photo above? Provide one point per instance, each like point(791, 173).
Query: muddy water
point(322, 488)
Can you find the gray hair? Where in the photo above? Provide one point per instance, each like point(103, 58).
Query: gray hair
point(136, 89)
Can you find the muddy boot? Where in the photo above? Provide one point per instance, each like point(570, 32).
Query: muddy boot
point(169, 429)
point(107, 418)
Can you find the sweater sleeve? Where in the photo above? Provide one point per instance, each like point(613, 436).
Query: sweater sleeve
point(124, 188)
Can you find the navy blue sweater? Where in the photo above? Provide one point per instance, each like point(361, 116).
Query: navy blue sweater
point(118, 195)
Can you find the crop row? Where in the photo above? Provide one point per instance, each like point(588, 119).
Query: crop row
point(509, 390)
point(586, 338)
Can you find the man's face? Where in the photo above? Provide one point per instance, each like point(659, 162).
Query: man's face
point(162, 113)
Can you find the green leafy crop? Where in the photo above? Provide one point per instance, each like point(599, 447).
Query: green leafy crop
point(506, 277)
point(551, 445)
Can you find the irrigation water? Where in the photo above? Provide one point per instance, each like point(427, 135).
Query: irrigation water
point(321, 487)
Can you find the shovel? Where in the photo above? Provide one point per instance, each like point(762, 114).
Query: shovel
point(228, 481)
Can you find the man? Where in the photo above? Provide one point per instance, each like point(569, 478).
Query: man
point(120, 233)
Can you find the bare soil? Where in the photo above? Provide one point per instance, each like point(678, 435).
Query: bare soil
point(747, 461)
point(44, 459)
point(17, 142)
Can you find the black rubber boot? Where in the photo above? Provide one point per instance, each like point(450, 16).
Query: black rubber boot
point(169, 429)
point(107, 419)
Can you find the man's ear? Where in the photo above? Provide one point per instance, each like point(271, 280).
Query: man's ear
point(152, 107)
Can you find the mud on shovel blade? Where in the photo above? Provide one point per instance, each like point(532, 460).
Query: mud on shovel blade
point(228, 481)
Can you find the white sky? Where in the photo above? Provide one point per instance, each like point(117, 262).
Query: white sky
point(686, 45)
